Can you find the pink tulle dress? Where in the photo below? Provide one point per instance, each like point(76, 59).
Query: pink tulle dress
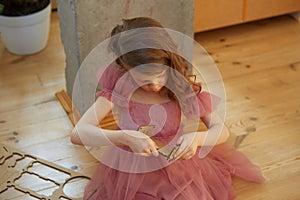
point(127, 176)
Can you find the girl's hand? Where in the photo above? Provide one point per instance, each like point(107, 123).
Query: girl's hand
point(139, 143)
point(188, 146)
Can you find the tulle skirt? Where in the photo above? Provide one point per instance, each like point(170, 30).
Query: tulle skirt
point(206, 178)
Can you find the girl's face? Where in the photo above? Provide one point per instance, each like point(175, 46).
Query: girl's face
point(152, 81)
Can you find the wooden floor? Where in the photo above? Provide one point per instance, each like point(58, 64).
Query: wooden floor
point(260, 65)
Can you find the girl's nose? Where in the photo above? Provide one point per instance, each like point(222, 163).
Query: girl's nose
point(155, 87)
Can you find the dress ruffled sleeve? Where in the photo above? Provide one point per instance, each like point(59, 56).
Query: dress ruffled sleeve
point(108, 77)
point(201, 103)
point(207, 103)
point(115, 85)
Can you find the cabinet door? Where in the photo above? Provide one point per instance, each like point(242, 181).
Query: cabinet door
point(259, 9)
point(209, 14)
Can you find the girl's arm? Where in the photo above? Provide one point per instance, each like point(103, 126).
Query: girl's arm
point(87, 131)
point(217, 133)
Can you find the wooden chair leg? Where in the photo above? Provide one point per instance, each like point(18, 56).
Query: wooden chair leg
point(296, 16)
point(239, 139)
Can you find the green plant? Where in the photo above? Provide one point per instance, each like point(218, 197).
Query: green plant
point(21, 7)
point(1, 8)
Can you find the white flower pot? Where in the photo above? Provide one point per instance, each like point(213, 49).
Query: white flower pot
point(26, 34)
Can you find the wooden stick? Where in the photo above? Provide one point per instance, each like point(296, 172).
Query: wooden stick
point(68, 106)
point(109, 122)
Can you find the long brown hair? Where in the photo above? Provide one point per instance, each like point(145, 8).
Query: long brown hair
point(165, 55)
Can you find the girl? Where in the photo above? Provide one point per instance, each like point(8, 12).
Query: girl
point(152, 86)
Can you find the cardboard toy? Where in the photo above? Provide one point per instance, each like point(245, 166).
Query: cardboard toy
point(24, 176)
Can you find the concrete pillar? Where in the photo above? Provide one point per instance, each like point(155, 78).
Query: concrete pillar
point(84, 24)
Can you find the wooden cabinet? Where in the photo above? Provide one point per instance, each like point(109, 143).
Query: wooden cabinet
point(258, 9)
point(210, 14)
